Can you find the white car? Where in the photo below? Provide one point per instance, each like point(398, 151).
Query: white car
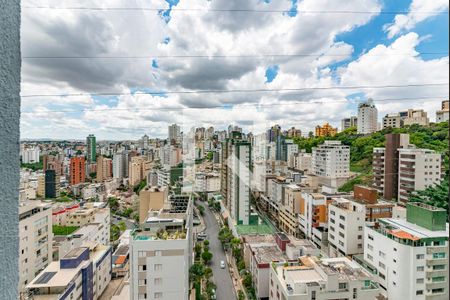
point(222, 264)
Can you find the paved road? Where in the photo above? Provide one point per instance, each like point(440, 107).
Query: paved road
point(128, 222)
point(225, 289)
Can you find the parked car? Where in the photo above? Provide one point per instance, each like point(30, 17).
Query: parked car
point(222, 264)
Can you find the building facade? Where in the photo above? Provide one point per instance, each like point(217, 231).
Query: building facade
point(367, 117)
point(77, 170)
point(325, 130)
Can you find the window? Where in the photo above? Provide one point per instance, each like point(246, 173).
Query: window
point(420, 256)
point(438, 279)
point(158, 281)
point(332, 212)
point(436, 291)
point(142, 296)
point(142, 254)
point(382, 275)
point(369, 246)
point(360, 228)
point(438, 267)
point(369, 257)
point(332, 220)
point(419, 280)
point(439, 255)
point(341, 226)
point(158, 295)
point(419, 292)
point(342, 285)
point(142, 268)
point(158, 267)
point(381, 265)
point(359, 237)
point(420, 268)
point(341, 235)
point(370, 237)
point(342, 218)
point(158, 253)
point(381, 254)
point(142, 281)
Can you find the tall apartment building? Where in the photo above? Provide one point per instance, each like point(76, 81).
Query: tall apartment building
point(51, 184)
point(104, 168)
point(442, 115)
point(418, 169)
point(392, 121)
point(349, 122)
point(367, 117)
point(77, 170)
point(91, 148)
point(30, 155)
point(410, 257)
point(174, 134)
point(35, 240)
point(40, 191)
point(415, 116)
point(331, 162)
point(136, 170)
point(386, 165)
point(161, 255)
point(119, 165)
point(83, 273)
point(313, 278)
point(289, 209)
point(313, 217)
point(325, 130)
point(235, 177)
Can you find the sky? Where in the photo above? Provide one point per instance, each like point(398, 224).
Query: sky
point(121, 73)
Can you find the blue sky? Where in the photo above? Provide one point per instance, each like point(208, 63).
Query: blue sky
point(166, 33)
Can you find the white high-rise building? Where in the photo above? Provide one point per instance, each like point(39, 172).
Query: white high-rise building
point(119, 165)
point(410, 257)
point(367, 117)
point(35, 240)
point(161, 255)
point(30, 155)
point(331, 159)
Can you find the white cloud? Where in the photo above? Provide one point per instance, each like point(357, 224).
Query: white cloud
point(419, 11)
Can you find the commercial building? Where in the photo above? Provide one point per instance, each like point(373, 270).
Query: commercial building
point(349, 122)
point(418, 169)
point(410, 257)
point(367, 117)
point(83, 273)
point(415, 116)
point(293, 133)
point(385, 165)
point(301, 161)
point(325, 130)
point(313, 278)
point(35, 240)
point(442, 115)
point(91, 148)
point(161, 255)
point(77, 170)
point(235, 177)
point(392, 121)
point(331, 162)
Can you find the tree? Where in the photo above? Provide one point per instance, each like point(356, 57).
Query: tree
point(247, 280)
point(206, 242)
point(436, 195)
point(113, 203)
point(197, 271)
point(122, 226)
point(207, 256)
point(201, 210)
point(208, 273)
point(198, 250)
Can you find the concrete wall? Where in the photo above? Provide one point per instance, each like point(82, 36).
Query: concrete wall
point(9, 139)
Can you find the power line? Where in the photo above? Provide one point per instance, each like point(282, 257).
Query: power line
point(174, 9)
point(257, 105)
point(235, 91)
point(225, 56)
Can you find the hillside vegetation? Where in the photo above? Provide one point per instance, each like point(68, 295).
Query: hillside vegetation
point(434, 137)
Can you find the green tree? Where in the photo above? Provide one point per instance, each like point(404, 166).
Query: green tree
point(436, 195)
point(207, 256)
point(122, 226)
point(247, 280)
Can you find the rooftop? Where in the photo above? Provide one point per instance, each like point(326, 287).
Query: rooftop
point(404, 228)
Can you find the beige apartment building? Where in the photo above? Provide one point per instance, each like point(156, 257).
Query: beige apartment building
point(151, 198)
point(35, 240)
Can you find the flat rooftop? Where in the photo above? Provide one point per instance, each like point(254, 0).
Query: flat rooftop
point(268, 254)
point(415, 230)
point(344, 268)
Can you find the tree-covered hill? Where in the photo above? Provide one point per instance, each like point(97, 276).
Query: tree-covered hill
point(434, 137)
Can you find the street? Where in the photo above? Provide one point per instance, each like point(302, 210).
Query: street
point(128, 222)
point(222, 278)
